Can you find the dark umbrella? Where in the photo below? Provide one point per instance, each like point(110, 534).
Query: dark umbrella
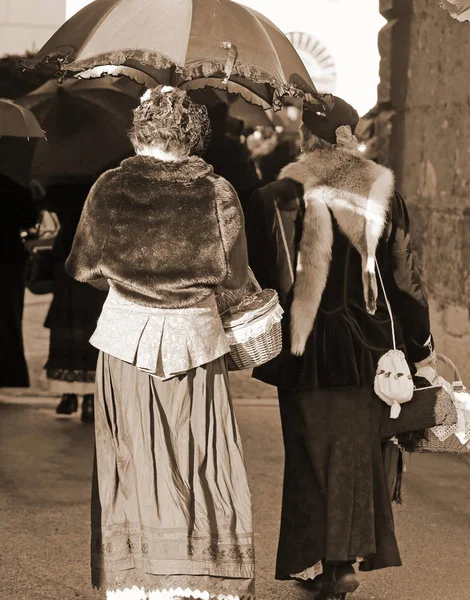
point(189, 43)
point(86, 124)
point(17, 121)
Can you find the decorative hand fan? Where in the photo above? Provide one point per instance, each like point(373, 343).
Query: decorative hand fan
point(317, 59)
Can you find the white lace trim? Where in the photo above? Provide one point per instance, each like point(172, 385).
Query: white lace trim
point(136, 593)
point(461, 429)
point(310, 573)
point(314, 571)
point(242, 333)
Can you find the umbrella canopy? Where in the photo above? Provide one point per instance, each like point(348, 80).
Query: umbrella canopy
point(188, 43)
point(251, 114)
point(87, 124)
point(17, 121)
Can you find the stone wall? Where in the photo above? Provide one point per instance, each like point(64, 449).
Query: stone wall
point(423, 132)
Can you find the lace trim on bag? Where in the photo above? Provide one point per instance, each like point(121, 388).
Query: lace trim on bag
point(261, 325)
point(461, 429)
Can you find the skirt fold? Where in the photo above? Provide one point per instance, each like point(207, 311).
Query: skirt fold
point(171, 496)
point(336, 503)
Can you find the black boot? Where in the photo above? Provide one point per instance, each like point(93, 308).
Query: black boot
point(68, 404)
point(338, 579)
point(88, 411)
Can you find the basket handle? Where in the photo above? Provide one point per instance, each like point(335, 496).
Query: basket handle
point(253, 282)
point(449, 363)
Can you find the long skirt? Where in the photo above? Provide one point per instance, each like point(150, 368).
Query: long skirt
point(72, 318)
point(13, 368)
point(171, 507)
point(336, 500)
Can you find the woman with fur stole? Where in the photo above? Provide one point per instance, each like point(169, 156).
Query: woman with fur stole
point(171, 508)
point(339, 211)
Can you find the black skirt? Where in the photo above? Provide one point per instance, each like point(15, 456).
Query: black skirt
point(72, 320)
point(336, 502)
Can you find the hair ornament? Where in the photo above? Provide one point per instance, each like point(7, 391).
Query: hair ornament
point(146, 96)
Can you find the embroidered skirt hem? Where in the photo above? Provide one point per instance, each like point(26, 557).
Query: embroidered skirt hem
point(170, 493)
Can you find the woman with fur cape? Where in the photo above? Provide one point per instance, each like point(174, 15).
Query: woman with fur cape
point(339, 211)
point(171, 508)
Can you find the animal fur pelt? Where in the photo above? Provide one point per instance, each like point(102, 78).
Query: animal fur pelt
point(358, 193)
point(164, 234)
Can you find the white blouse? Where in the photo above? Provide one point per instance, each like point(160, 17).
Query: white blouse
point(163, 342)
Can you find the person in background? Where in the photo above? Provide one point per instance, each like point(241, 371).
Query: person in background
point(17, 211)
point(73, 313)
point(228, 155)
point(171, 507)
point(286, 149)
point(338, 211)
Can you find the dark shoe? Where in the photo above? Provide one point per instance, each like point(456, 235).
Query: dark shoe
point(335, 582)
point(347, 581)
point(88, 410)
point(311, 584)
point(68, 404)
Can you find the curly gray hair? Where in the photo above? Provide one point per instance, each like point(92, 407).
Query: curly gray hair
point(169, 119)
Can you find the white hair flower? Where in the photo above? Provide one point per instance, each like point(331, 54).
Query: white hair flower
point(146, 96)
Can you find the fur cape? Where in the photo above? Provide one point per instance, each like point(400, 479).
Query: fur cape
point(164, 234)
point(358, 193)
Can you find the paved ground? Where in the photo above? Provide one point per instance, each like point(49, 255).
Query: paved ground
point(45, 472)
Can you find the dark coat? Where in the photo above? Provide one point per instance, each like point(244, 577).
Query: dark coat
point(346, 341)
point(66, 201)
point(231, 159)
point(165, 234)
point(17, 211)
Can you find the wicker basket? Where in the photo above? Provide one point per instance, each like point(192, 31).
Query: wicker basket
point(451, 445)
point(253, 329)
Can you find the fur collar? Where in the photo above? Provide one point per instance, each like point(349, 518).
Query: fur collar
point(183, 171)
point(358, 193)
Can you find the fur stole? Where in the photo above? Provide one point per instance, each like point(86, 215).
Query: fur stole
point(184, 171)
point(358, 193)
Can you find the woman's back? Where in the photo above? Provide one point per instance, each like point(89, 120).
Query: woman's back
point(163, 234)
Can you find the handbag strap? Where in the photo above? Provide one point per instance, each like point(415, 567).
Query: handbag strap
point(284, 242)
point(389, 308)
point(441, 357)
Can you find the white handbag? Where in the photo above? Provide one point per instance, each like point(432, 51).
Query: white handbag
point(393, 382)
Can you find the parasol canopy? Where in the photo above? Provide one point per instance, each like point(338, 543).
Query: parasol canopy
point(252, 115)
point(17, 121)
point(187, 43)
point(86, 124)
